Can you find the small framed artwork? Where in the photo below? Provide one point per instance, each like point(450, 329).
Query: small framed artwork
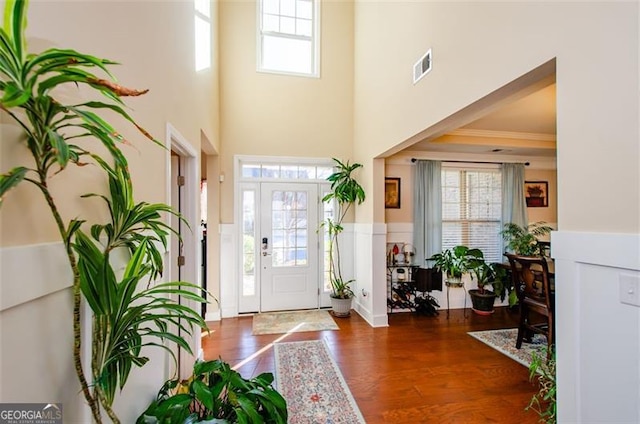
point(392, 193)
point(536, 194)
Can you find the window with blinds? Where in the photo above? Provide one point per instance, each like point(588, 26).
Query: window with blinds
point(471, 210)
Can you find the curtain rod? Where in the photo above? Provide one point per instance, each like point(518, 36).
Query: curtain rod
point(468, 161)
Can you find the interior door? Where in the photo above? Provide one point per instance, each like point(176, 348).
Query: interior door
point(288, 246)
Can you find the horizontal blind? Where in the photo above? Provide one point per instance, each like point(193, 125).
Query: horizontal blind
point(471, 210)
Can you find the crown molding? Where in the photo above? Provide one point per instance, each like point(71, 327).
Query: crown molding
point(469, 132)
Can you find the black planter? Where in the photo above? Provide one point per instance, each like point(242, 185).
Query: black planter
point(482, 302)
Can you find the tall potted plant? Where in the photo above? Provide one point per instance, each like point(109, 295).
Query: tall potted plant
point(129, 311)
point(345, 191)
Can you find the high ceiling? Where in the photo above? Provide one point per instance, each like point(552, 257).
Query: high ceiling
point(525, 127)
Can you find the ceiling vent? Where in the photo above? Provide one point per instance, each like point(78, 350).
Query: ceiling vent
point(422, 67)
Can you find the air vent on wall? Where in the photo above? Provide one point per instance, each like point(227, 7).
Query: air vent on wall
point(422, 67)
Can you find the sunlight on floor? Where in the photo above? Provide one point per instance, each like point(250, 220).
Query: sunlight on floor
point(267, 347)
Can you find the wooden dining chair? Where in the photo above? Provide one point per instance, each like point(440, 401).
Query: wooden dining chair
point(537, 302)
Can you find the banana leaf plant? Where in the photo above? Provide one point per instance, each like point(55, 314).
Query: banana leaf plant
point(126, 315)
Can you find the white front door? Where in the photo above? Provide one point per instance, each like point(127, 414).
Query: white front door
point(288, 246)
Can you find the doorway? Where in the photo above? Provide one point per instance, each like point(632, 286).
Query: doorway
point(289, 254)
point(282, 262)
point(183, 259)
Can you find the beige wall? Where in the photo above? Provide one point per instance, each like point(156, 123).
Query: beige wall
point(148, 39)
point(547, 214)
point(480, 47)
point(405, 213)
point(275, 115)
point(152, 41)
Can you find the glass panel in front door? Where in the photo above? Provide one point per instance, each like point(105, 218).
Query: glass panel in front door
point(289, 228)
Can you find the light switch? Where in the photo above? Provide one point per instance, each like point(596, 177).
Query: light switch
point(630, 289)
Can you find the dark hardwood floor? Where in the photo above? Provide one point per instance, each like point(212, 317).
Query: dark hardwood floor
point(418, 370)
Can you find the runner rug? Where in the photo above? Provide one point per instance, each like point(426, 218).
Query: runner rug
point(504, 341)
point(293, 322)
point(311, 382)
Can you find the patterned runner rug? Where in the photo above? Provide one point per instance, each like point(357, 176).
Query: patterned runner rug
point(504, 341)
point(311, 382)
point(293, 322)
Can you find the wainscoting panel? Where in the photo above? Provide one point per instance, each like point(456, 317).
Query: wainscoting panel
point(598, 337)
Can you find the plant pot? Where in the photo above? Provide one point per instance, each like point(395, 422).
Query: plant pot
point(453, 281)
point(341, 307)
point(482, 302)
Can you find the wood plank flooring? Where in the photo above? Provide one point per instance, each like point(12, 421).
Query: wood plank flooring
point(417, 370)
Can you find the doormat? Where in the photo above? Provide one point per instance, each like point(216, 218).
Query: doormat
point(309, 379)
point(293, 322)
point(504, 341)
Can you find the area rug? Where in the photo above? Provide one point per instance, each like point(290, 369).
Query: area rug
point(504, 341)
point(293, 322)
point(310, 380)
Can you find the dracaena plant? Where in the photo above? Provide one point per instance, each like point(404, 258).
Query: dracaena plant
point(346, 191)
point(128, 312)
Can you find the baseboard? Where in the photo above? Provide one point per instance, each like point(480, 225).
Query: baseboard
point(369, 317)
point(213, 316)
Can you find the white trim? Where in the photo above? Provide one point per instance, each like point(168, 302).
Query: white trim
point(191, 209)
point(315, 39)
point(22, 282)
point(593, 326)
point(228, 271)
point(617, 250)
point(213, 316)
point(230, 245)
point(371, 273)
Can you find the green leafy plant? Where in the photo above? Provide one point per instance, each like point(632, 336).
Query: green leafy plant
point(126, 316)
point(455, 261)
point(544, 401)
point(215, 393)
point(524, 240)
point(346, 191)
point(483, 273)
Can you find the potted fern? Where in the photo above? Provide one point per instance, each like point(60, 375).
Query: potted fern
point(524, 240)
point(129, 310)
point(345, 191)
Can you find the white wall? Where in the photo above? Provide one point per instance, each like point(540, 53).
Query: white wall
point(598, 337)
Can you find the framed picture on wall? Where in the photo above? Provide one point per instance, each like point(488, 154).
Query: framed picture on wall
point(536, 194)
point(392, 193)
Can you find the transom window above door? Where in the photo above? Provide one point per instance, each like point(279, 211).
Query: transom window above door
point(288, 37)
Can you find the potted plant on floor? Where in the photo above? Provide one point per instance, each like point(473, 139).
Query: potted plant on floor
point(345, 191)
point(524, 240)
point(215, 393)
point(485, 274)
